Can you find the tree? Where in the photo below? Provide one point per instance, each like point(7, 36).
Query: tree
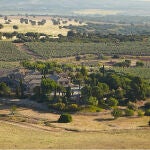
point(147, 112)
point(119, 93)
point(1, 36)
point(114, 81)
point(71, 33)
point(79, 79)
point(15, 27)
point(84, 71)
point(138, 89)
point(5, 18)
point(8, 35)
point(17, 91)
point(112, 102)
point(1, 26)
point(21, 89)
point(102, 69)
point(127, 63)
point(68, 92)
point(147, 105)
point(86, 92)
point(78, 58)
point(4, 89)
point(139, 64)
point(92, 101)
point(47, 86)
point(100, 91)
point(116, 56)
point(37, 92)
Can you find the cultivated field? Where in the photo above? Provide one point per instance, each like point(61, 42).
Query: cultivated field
point(143, 72)
point(9, 52)
point(65, 49)
point(8, 65)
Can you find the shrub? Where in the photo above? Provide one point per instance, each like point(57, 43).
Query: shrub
point(112, 102)
point(147, 112)
point(91, 108)
point(140, 113)
point(13, 110)
point(116, 113)
point(73, 107)
point(65, 118)
point(58, 106)
point(92, 101)
point(129, 112)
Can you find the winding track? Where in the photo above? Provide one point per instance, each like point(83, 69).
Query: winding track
point(24, 48)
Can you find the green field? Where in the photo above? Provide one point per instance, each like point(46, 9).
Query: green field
point(65, 49)
point(9, 52)
point(137, 71)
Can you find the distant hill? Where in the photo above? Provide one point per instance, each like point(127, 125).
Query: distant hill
point(66, 7)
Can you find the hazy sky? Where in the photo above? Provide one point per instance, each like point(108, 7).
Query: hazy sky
point(133, 7)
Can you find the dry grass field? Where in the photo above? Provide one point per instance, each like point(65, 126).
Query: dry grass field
point(12, 136)
point(83, 121)
point(97, 11)
point(88, 130)
point(48, 28)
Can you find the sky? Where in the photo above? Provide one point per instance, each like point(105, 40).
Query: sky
point(130, 7)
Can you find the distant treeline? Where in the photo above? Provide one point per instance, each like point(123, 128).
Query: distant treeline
point(111, 28)
point(75, 37)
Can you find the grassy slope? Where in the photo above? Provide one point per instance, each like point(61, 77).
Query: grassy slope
point(17, 137)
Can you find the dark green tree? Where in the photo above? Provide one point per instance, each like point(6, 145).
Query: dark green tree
point(47, 86)
point(4, 89)
point(68, 92)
